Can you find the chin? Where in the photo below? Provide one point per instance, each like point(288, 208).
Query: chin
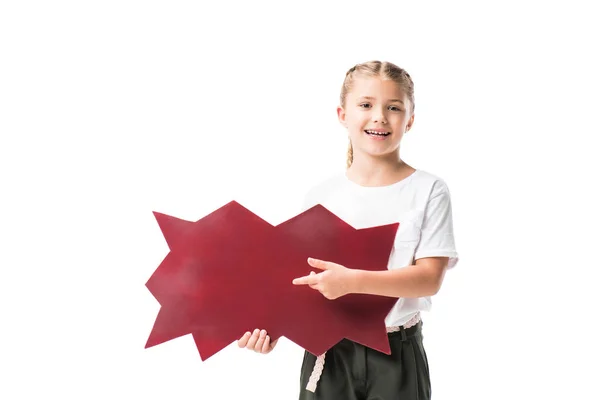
point(378, 152)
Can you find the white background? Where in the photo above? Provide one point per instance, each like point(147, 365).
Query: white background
point(111, 110)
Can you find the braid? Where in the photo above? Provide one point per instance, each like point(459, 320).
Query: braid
point(349, 158)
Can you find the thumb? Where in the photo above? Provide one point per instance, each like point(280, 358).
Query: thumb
point(320, 264)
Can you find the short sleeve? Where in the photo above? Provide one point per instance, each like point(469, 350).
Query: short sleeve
point(305, 205)
point(437, 231)
point(308, 200)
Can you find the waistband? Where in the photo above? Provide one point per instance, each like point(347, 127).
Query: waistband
point(405, 330)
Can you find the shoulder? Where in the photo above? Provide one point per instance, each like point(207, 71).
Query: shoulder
point(430, 184)
point(331, 180)
point(321, 188)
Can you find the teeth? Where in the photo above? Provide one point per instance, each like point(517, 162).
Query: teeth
point(377, 133)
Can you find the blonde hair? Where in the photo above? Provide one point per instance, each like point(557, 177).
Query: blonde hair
point(381, 69)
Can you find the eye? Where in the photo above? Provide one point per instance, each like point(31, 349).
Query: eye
point(364, 105)
point(394, 108)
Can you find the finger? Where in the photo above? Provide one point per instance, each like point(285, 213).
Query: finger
point(306, 280)
point(266, 345)
point(261, 340)
point(319, 264)
point(313, 285)
point(253, 340)
point(243, 341)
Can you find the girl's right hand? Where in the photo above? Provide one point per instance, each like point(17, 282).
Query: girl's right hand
point(258, 341)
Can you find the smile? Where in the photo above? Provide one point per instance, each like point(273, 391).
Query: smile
point(377, 133)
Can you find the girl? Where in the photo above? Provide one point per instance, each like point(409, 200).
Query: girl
point(377, 108)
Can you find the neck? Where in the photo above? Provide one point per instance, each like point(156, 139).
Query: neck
point(378, 171)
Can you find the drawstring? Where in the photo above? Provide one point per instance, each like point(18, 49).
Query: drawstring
point(316, 373)
point(320, 362)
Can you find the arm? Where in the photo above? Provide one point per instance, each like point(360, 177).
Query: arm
point(435, 254)
point(424, 278)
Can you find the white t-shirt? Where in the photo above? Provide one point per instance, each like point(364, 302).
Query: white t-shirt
point(420, 203)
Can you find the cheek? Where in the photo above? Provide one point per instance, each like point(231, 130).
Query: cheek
point(356, 122)
point(402, 120)
point(355, 129)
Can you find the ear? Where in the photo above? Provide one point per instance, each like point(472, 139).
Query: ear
point(341, 116)
point(410, 122)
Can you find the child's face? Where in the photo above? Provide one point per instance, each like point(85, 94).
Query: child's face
point(380, 105)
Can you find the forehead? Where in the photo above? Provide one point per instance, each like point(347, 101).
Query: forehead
point(382, 89)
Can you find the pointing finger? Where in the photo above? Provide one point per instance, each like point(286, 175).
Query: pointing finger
point(310, 279)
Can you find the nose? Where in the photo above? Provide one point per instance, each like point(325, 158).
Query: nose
point(379, 117)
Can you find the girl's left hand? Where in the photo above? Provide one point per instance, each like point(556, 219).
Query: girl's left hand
point(334, 281)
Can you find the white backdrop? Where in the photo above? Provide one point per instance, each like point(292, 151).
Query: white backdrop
point(111, 110)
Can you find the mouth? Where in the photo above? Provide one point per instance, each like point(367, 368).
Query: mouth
point(377, 133)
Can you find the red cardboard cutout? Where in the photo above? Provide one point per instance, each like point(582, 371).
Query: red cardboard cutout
point(231, 272)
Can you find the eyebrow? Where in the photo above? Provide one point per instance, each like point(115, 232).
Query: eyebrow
point(372, 98)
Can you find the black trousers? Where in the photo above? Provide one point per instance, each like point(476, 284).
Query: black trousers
point(355, 372)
